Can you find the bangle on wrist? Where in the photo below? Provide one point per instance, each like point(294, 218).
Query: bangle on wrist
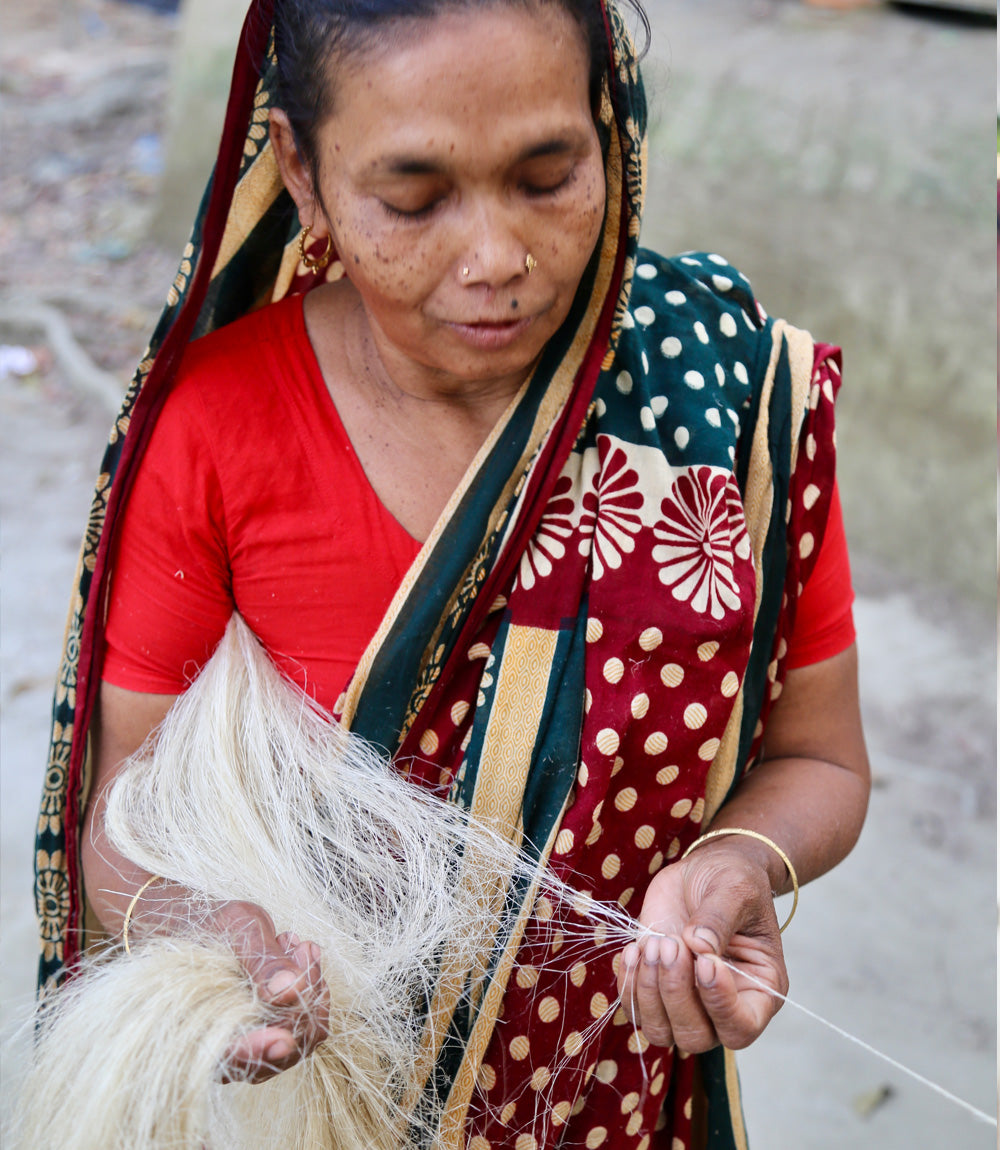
point(767, 842)
point(131, 907)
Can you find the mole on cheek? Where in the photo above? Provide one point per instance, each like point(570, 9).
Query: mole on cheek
point(513, 305)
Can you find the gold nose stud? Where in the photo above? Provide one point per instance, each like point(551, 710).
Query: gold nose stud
point(466, 272)
point(530, 263)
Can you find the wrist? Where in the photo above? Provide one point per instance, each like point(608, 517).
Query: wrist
point(159, 905)
point(762, 852)
point(754, 853)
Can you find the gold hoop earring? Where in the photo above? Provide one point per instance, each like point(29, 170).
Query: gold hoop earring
point(314, 263)
point(530, 263)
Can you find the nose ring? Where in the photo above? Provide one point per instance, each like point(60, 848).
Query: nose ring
point(530, 263)
point(466, 272)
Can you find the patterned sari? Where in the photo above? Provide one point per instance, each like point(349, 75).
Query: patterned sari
point(584, 651)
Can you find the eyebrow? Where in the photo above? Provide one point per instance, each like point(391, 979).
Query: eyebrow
point(416, 166)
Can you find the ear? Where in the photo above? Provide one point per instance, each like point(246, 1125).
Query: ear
point(295, 172)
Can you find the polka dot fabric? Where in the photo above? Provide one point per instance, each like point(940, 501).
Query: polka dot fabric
point(646, 526)
point(813, 475)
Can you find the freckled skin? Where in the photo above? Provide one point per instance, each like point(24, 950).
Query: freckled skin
point(477, 127)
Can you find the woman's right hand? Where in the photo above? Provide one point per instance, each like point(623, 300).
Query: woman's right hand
point(287, 976)
point(284, 970)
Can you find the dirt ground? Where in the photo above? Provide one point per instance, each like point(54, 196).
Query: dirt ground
point(83, 88)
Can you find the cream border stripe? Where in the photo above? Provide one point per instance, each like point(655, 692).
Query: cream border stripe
point(254, 194)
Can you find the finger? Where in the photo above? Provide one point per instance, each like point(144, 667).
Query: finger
point(288, 941)
point(631, 957)
point(293, 977)
point(315, 995)
point(650, 1012)
point(283, 985)
point(265, 956)
point(738, 1016)
point(260, 1055)
point(692, 1028)
point(300, 997)
point(728, 906)
point(305, 955)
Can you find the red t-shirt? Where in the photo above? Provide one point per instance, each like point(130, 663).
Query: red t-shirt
point(250, 497)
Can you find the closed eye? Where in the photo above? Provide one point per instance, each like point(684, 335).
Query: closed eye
point(546, 175)
point(546, 189)
point(398, 213)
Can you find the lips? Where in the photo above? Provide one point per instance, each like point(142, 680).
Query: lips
point(491, 334)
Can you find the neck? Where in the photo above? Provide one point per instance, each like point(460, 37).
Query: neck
point(416, 389)
point(392, 379)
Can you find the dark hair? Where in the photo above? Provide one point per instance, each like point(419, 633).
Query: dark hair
point(308, 32)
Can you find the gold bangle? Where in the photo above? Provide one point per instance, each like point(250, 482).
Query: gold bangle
point(131, 907)
point(767, 842)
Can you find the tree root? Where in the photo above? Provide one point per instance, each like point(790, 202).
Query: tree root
point(19, 318)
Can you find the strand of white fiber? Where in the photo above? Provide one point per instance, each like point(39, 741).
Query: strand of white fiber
point(954, 1098)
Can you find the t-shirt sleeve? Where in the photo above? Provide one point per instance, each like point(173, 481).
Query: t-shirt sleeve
point(170, 597)
point(824, 620)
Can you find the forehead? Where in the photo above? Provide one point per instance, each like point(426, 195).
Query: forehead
point(483, 80)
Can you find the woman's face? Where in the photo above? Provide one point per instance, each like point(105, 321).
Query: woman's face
point(450, 155)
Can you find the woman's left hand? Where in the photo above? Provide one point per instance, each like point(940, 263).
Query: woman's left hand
point(715, 903)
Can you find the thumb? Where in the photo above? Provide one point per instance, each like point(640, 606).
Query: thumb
point(265, 956)
point(724, 901)
point(279, 972)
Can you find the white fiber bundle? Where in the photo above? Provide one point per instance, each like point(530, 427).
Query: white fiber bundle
point(249, 792)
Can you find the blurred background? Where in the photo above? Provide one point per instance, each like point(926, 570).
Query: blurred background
point(841, 157)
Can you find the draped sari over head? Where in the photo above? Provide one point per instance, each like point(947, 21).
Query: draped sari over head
point(585, 650)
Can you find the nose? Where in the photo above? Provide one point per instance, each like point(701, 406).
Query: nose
point(494, 252)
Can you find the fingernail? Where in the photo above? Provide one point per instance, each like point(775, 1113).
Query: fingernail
point(293, 938)
point(280, 982)
point(668, 951)
point(280, 1049)
point(314, 952)
point(708, 936)
point(651, 955)
point(630, 956)
point(705, 970)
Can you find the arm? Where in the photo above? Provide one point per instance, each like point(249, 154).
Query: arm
point(285, 970)
point(809, 795)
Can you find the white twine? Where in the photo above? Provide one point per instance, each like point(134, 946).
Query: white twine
point(973, 1110)
point(310, 823)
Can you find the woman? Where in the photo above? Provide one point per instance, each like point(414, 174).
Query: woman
point(547, 543)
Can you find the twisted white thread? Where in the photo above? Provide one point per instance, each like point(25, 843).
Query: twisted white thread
point(915, 1075)
point(248, 792)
